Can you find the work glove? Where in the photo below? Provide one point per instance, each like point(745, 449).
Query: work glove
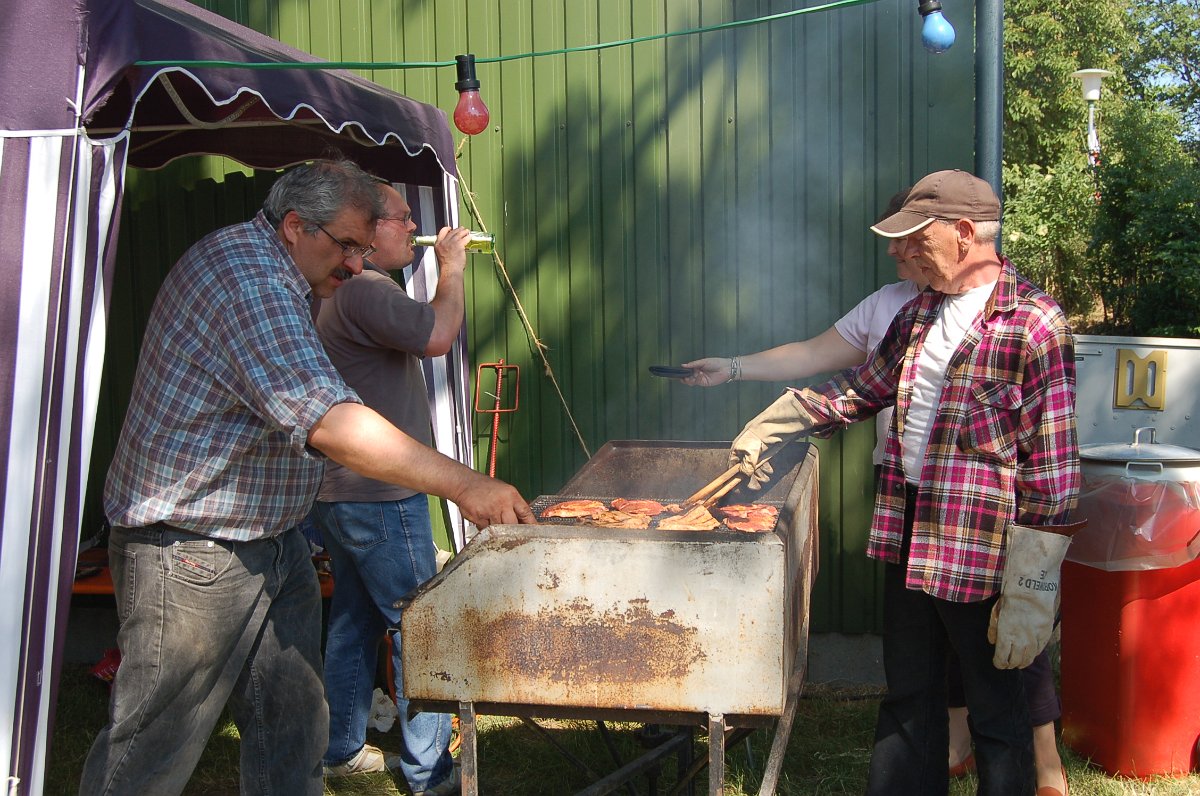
point(774, 427)
point(1023, 618)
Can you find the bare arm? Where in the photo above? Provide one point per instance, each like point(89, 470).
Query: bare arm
point(448, 301)
point(360, 438)
point(826, 352)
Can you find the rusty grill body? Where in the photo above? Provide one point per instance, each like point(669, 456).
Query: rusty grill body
point(578, 620)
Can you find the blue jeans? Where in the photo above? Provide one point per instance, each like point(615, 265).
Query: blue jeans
point(205, 622)
point(380, 552)
point(911, 733)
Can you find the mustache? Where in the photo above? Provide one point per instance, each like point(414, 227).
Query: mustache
point(343, 274)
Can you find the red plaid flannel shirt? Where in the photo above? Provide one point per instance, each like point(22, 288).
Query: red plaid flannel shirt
point(1002, 448)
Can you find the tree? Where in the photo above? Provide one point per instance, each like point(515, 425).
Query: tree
point(1049, 206)
point(1048, 218)
point(1136, 251)
point(1043, 44)
point(1145, 261)
point(1166, 67)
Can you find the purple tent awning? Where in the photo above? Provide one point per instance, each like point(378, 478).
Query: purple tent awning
point(268, 118)
point(74, 112)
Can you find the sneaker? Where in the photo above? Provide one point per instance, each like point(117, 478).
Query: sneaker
point(447, 787)
point(368, 760)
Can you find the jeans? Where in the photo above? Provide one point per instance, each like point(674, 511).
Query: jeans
point(206, 622)
point(380, 552)
point(1040, 692)
point(911, 733)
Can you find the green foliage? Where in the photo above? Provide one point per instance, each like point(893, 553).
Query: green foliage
point(1138, 252)
point(1047, 228)
point(1043, 44)
point(1147, 233)
point(1166, 68)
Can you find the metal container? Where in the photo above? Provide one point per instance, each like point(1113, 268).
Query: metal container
point(582, 620)
point(1141, 501)
point(1144, 458)
point(1125, 383)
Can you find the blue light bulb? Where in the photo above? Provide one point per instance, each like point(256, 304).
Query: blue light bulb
point(937, 34)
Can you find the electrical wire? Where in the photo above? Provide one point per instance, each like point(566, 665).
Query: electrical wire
point(387, 65)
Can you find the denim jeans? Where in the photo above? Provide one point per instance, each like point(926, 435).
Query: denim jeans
point(911, 732)
point(206, 622)
point(380, 552)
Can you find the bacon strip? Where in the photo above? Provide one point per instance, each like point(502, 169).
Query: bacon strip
point(648, 508)
point(618, 519)
point(574, 508)
point(696, 518)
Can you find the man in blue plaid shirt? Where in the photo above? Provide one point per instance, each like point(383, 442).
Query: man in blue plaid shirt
point(235, 409)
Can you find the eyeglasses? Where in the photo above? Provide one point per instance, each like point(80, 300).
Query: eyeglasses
point(349, 251)
point(404, 219)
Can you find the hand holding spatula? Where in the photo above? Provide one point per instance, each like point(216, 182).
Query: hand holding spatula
point(762, 437)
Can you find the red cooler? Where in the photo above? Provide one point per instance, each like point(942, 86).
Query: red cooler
point(1131, 612)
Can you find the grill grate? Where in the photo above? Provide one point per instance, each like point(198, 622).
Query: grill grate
point(543, 502)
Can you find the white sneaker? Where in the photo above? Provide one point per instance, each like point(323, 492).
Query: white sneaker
point(368, 760)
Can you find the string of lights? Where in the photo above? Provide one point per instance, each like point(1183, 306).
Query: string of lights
point(937, 36)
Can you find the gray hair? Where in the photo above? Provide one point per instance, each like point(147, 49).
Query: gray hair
point(320, 190)
point(985, 231)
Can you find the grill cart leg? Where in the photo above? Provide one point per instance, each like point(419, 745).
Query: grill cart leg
point(783, 730)
point(686, 781)
point(469, 755)
point(716, 754)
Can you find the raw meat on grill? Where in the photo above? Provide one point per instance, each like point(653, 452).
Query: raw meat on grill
point(697, 518)
point(752, 517)
point(575, 508)
point(649, 508)
point(742, 510)
point(618, 519)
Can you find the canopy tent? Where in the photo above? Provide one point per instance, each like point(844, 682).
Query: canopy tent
point(74, 112)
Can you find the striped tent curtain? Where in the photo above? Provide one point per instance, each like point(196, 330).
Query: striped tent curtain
point(447, 378)
point(61, 193)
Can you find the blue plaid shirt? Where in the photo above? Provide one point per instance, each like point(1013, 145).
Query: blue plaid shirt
point(232, 376)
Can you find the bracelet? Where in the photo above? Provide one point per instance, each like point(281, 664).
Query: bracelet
point(735, 369)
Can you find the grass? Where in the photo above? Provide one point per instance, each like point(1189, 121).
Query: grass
point(828, 753)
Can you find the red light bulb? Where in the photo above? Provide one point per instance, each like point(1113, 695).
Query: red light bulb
point(470, 115)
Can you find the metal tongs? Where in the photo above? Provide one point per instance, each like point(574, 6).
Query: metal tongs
point(714, 490)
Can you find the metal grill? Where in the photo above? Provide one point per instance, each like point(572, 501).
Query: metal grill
point(672, 627)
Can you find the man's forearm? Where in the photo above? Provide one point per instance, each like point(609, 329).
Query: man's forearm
point(449, 305)
point(826, 352)
point(360, 438)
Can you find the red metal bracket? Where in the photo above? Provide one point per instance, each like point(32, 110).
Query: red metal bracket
point(498, 408)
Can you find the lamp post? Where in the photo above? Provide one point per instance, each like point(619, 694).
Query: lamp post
point(1091, 94)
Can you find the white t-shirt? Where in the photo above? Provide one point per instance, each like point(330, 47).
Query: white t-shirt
point(955, 317)
point(864, 326)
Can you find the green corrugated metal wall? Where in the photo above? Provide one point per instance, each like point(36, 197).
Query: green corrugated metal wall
point(701, 195)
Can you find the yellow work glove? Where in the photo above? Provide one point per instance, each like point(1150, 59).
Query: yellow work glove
point(774, 427)
point(1023, 618)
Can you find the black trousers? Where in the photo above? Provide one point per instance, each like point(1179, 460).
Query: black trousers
point(911, 734)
